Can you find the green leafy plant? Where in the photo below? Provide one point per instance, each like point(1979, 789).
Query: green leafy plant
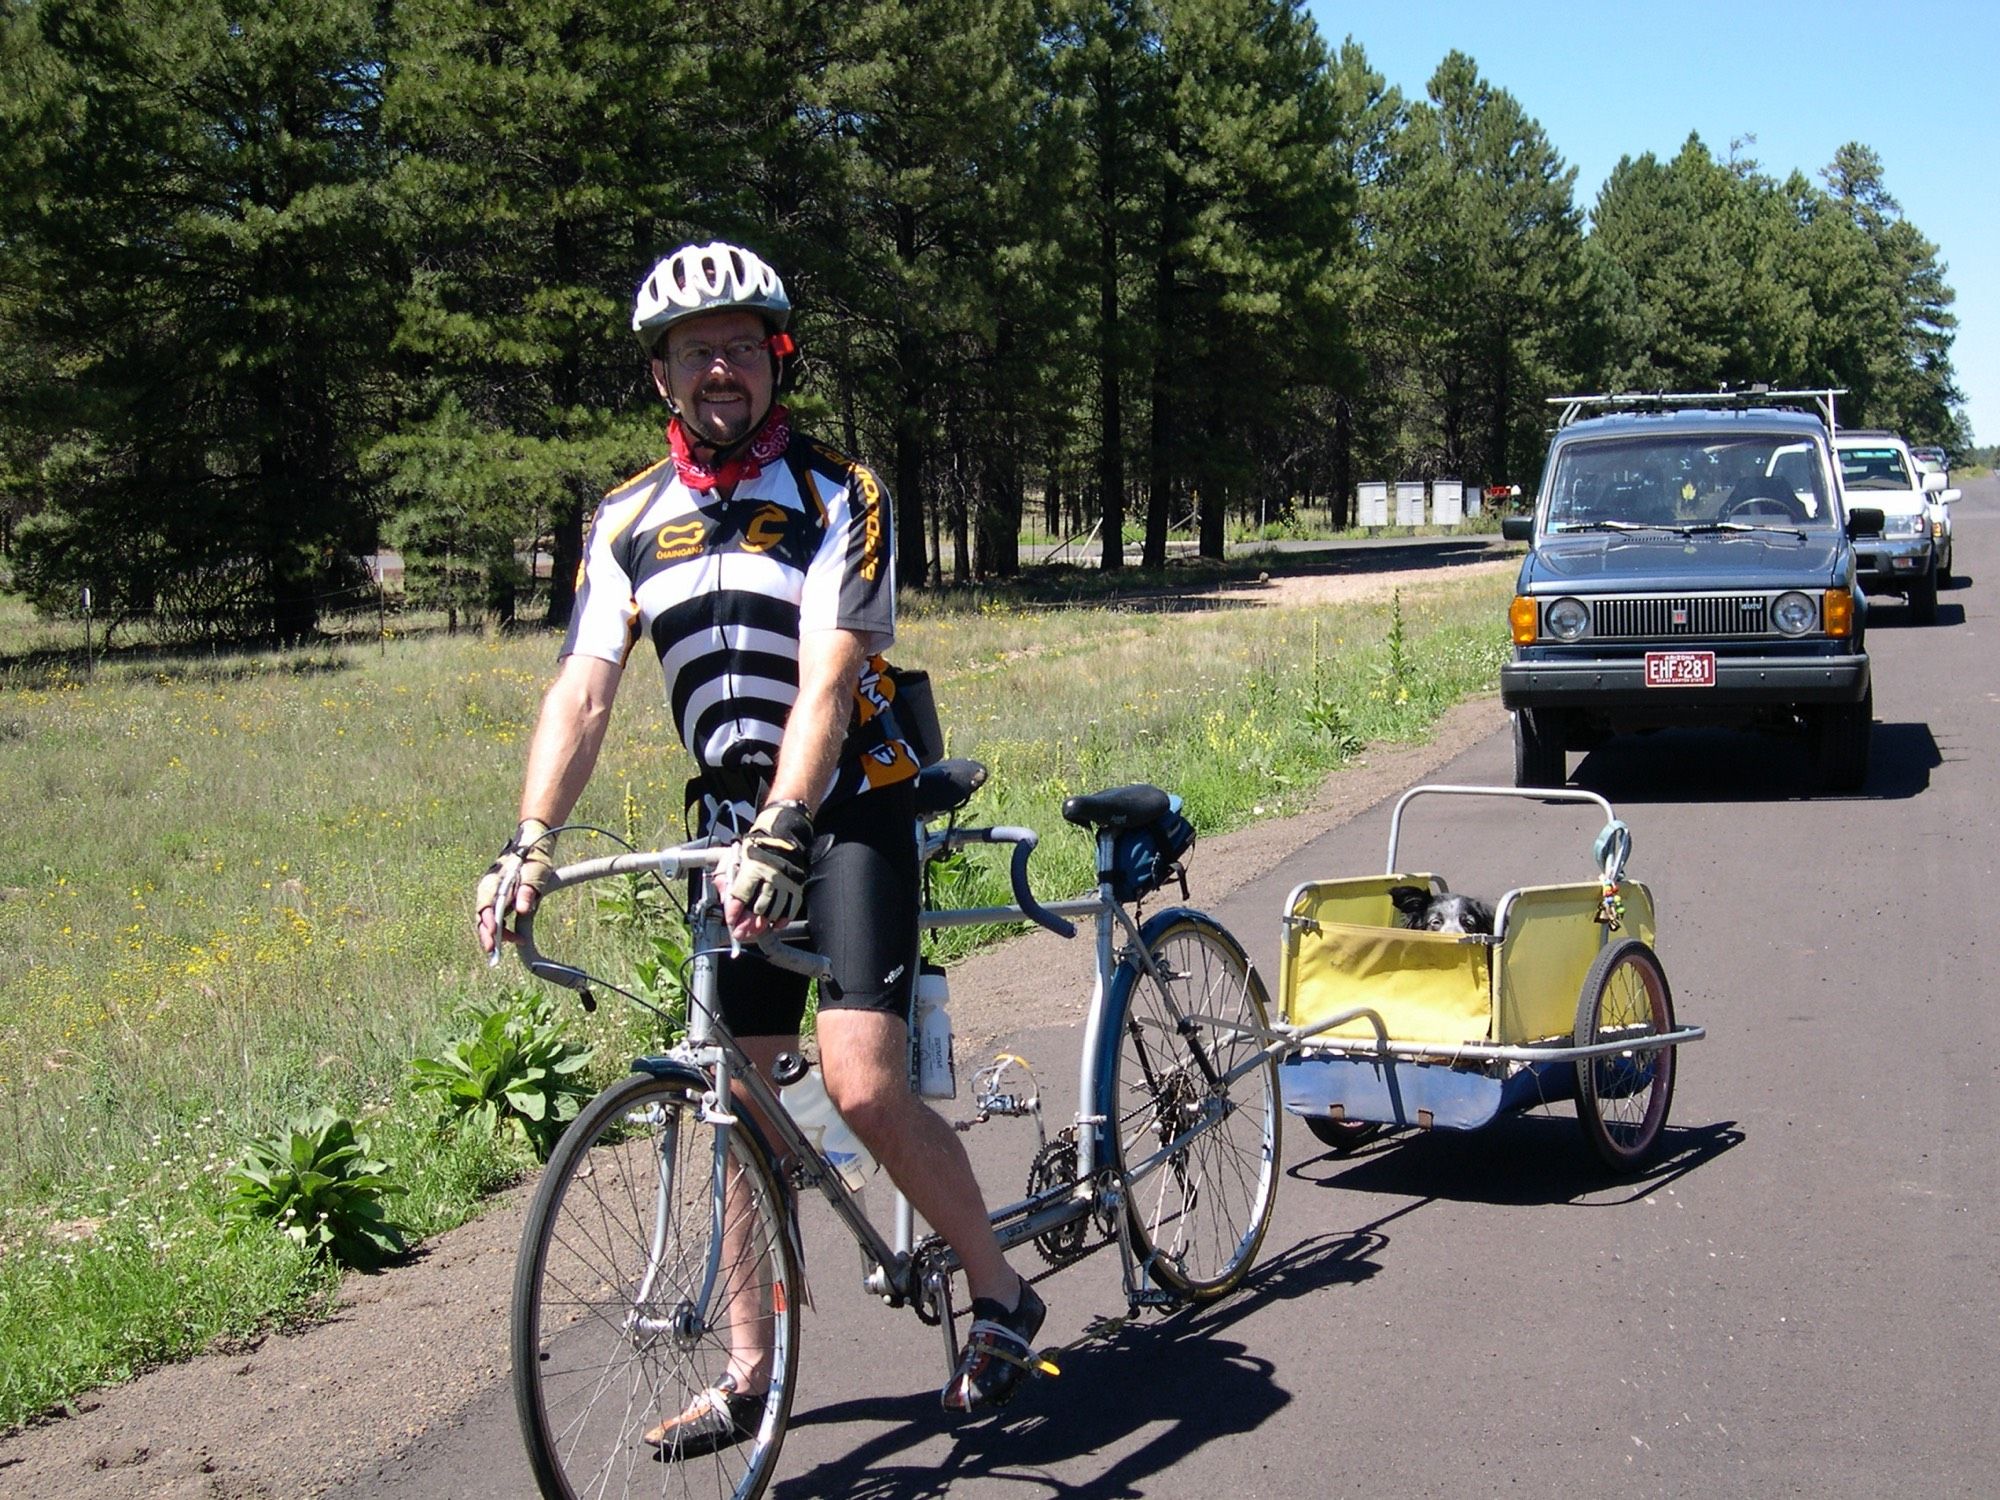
point(316, 1183)
point(660, 972)
point(1323, 709)
point(518, 1071)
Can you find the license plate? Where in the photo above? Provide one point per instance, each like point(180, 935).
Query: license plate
point(1680, 669)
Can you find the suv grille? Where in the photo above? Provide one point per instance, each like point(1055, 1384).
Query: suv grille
point(1626, 618)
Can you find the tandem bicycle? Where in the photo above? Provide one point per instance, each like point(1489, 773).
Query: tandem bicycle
point(666, 1209)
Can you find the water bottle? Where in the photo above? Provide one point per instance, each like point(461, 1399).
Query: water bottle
point(930, 1035)
point(806, 1102)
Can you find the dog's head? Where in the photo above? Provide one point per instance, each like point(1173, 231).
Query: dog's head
point(1445, 912)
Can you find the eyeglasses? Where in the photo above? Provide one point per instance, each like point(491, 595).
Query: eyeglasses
point(693, 359)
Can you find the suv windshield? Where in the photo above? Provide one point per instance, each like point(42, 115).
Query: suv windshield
point(1745, 480)
point(1874, 469)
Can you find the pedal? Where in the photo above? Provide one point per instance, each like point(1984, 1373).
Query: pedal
point(1041, 1363)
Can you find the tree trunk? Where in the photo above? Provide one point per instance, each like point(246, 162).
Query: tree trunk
point(1160, 469)
point(1214, 519)
point(1503, 399)
point(1111, 449)
point(1344, 497)
point(565, 557)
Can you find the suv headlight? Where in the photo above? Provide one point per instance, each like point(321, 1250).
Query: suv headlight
point(1566, 619)
point(1915, 525)
point(1793, 614)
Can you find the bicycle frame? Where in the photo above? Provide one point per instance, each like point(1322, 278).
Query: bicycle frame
point(709, 1052)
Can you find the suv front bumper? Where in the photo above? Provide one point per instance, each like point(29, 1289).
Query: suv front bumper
point(1885, 564)
point(1740, 682)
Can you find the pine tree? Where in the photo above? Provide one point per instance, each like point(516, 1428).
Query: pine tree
point(199, 250)
point(533, 187)
point(1908, 373)
point(1484, 268)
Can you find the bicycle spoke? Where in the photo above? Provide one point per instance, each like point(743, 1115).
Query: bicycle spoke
point(627, 1204)
point(1195, 1110)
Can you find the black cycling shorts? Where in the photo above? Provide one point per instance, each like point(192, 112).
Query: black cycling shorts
point(861, 899)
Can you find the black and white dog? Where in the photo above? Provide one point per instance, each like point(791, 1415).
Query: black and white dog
point(1445, 912)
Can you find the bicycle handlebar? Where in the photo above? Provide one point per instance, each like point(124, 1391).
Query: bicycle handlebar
point(684, 859)
point(668, 864)
point(1024, 841)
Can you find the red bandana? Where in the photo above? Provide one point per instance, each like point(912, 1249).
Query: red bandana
point(747, 463)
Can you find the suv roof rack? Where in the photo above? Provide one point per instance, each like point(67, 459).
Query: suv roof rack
point(1573, 407)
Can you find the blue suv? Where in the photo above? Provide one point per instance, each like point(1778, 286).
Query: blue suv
point(1692, 563)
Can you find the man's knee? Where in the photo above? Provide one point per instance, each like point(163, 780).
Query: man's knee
point(865, 1092)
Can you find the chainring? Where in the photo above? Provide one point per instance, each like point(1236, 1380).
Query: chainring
point(1055, 1166)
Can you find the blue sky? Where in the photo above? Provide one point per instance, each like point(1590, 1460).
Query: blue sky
point(1610, 80)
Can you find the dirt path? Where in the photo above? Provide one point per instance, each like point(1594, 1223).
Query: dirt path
point(300, 1413)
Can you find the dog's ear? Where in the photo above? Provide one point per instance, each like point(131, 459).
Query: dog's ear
point(1410, 900)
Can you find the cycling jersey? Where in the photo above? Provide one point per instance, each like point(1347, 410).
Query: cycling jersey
point(724, 587)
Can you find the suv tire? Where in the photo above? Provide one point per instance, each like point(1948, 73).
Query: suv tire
point(1841, 733)
point(1539, 760)
point(1923, 598)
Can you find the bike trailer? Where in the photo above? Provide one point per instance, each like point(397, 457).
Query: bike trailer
point(1431, 1029)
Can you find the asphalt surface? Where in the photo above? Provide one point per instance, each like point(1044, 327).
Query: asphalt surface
point(1800, 1298)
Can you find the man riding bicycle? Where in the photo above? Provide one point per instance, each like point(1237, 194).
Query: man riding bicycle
point(761, 565)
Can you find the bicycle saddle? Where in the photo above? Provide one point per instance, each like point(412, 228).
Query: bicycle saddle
point(1121, 807)
point(947, 786)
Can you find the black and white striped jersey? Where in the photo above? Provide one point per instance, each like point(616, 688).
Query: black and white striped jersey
point(725, 587)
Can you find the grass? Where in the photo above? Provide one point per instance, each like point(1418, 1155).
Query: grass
point(236, 887)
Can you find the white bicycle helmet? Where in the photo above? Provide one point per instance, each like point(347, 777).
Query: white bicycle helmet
point(698, 279)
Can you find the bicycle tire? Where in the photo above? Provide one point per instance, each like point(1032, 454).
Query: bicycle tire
point(1197, 1212)
point(589, 1381)
point(1622, 1100)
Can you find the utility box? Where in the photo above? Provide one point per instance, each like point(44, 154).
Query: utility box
point(1409, 502)
point(1371, 503)
point(1447, 502)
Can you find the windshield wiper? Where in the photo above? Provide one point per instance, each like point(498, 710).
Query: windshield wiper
point(1568, 528)
point(1711, 528)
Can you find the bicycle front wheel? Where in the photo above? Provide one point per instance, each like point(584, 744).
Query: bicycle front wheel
point(1193, 1105)
point(656, 1247)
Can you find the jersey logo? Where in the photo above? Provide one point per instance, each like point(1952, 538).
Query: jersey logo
point(871, 541)
point(673, 543)
point(765, 530)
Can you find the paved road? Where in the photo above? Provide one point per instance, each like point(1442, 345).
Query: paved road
point(1800, 1299)
point(1432, 548)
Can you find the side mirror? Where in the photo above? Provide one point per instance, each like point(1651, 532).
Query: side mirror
point(1865, 520)
point(1947, 496)
point(1935, 481)
point(1517, 528)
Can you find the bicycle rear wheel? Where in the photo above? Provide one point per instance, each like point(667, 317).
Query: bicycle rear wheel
point(625, 1301)
point(1193, 1110)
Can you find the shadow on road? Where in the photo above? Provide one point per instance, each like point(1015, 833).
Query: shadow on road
point(1175, 1378)
point(1894, 614)
point(1521, 1161)
point(1721, 765)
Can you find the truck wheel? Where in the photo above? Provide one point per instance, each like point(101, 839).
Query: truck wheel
point(1539, 760)
point(1841, 735)
point(1923, 599)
